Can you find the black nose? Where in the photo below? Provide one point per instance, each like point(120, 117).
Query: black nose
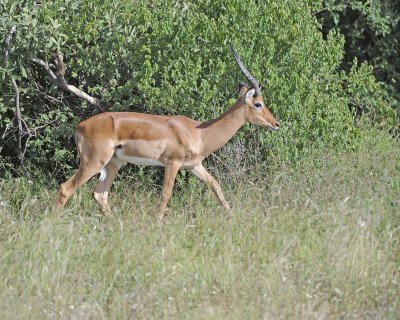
point(277, 124)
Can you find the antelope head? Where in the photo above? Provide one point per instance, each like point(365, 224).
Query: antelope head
point(252, 99)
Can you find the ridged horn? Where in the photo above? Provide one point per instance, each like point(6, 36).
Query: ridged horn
point(245, 72)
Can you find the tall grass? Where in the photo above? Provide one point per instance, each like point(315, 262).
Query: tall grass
point(316, 240)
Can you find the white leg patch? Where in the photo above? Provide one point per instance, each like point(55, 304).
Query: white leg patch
point(122, 158)
point(103, 174)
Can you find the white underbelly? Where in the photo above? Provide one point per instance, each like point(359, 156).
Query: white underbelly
point(136, 160)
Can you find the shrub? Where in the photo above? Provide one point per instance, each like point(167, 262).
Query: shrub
point(171, 57)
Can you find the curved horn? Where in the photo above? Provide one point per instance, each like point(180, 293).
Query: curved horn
point(245, 72)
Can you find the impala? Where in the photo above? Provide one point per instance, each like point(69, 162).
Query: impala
point(109, 140)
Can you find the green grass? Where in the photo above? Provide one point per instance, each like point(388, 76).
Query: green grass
point(317, 240)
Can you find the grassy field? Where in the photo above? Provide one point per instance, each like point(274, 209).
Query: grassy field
point(318, 240)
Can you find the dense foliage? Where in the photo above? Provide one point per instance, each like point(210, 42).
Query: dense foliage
point(171, 57)
point(372, 32)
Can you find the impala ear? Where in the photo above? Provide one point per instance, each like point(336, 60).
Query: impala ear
point(242, 89)
point(249, 95)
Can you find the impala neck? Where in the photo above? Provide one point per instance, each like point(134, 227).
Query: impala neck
point(218, 132)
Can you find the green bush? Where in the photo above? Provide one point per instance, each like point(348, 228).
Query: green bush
point(171, 57)
point(372, 33)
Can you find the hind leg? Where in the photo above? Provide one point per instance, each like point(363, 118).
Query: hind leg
point(103, 186)
point(66, 190)
point(88, 167)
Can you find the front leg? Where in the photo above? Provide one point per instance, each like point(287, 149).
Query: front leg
point(201, 173)
point(171, 169)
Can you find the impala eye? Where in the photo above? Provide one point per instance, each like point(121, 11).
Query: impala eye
point(258, 105)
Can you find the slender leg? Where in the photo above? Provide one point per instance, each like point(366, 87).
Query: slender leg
point(66, 190)
point(201, 173)
point(88, 167)
point(171, 169)
point(103, 186)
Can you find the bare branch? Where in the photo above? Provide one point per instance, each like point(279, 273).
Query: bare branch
point(59, 80)
point(38, 88)
point(46, 67)
point(6, 129)
point(7, 43)
point(18, 115)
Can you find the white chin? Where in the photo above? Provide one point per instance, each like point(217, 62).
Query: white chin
point(272, 128)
